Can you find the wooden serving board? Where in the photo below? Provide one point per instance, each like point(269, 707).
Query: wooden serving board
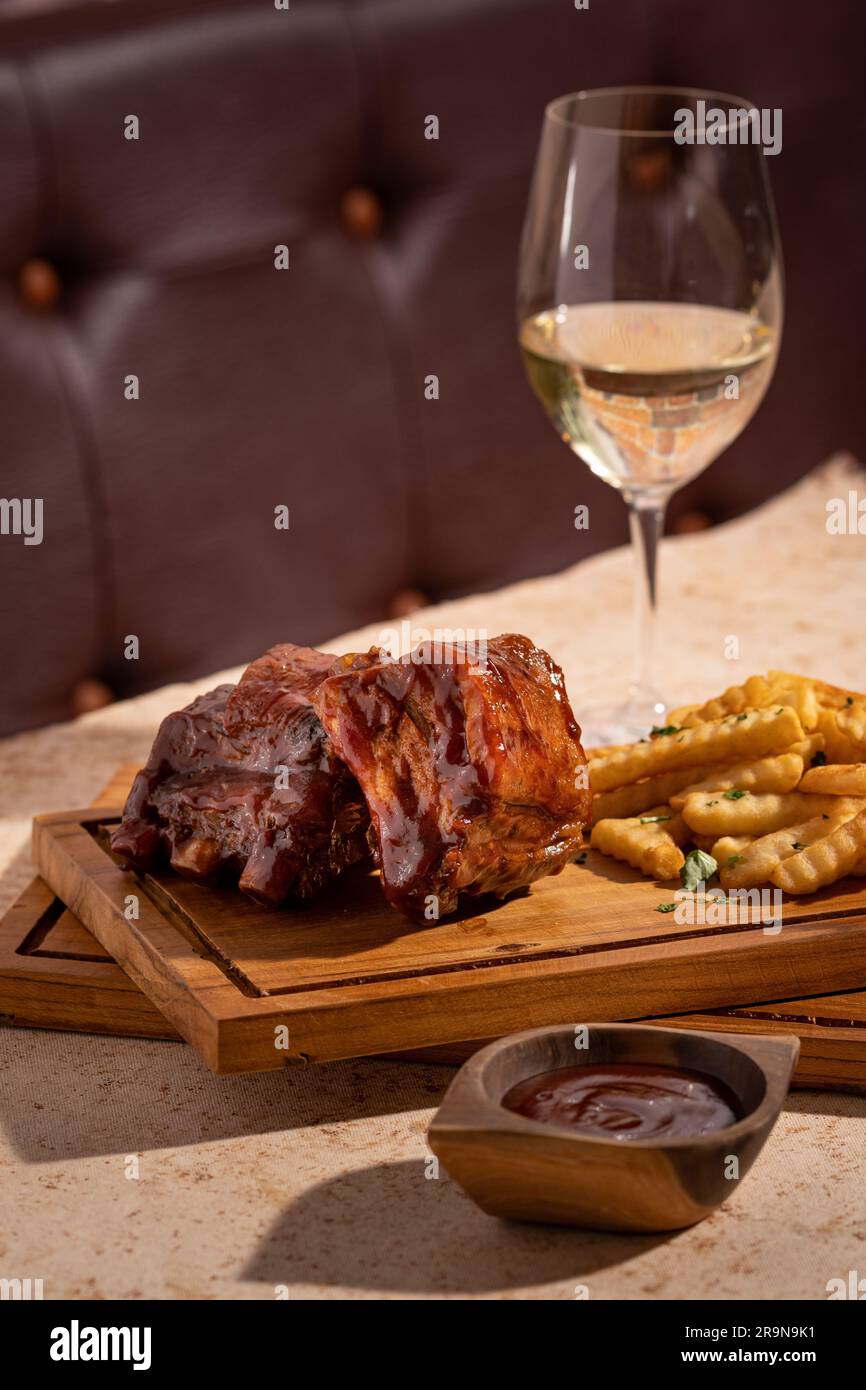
point(348, 977)
point(55, 974)
point(831, 1029)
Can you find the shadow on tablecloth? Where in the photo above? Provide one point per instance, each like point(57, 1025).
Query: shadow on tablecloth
point(390, 1229)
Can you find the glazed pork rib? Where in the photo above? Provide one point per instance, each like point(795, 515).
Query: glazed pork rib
point(474, 774)
point(244, 784)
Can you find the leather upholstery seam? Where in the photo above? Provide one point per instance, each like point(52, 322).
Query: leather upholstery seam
point(62, 357)
point(397, 340)
point(47, 201)
point(62, 352)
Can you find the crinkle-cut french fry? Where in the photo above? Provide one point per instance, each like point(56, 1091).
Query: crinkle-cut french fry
point(775, 774)
point(808, 747)
point(748, 735)
point(752, 694)
point(651, 846)
point(605, 749)
point(835, 779)
point(800, 695)
point(637, 797)
point(756, 863)
point(851, 723)
point(825, 861)
point(739, 778)
point(729, 847)
point(838, 746)
point(831, 696)
point(681, 714)
point(757, 813)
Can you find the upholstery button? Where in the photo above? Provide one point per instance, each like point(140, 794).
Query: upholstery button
point(690, 522)
point(39, 283)
point(407, 601)
point(361, 212)
point(90, 694)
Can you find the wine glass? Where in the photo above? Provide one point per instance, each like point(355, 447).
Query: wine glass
point(649, 308)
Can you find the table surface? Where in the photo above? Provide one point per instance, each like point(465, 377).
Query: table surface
point(127, 1170)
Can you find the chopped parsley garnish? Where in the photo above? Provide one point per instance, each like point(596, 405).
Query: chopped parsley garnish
point(666, 907)
point(850, 700)
point(662, 730)
point(739, 717)
point(797, 846)
point(698, 867)
point(734, 859)
point(734, 795)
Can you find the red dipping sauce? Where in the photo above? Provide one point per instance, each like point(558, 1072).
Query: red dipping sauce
point(626, 1100)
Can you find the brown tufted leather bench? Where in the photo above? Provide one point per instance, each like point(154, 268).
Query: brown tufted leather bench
point(304, 387)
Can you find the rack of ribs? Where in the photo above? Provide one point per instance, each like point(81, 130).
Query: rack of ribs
point(244, 785)
point(473, 773)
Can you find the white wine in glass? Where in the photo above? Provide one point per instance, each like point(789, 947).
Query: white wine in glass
point(649, 313)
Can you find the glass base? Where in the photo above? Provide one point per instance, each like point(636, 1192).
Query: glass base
point(602, 725)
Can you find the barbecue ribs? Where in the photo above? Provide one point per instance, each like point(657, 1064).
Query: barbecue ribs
point(243, 784)
point(474, 775)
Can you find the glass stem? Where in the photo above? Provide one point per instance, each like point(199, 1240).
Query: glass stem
point(646, 516)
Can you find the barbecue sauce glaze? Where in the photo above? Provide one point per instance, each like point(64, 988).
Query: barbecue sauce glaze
point(472, 768)
point(626, 1100)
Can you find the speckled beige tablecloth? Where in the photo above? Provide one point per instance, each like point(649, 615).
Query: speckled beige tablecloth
point(315, 1180)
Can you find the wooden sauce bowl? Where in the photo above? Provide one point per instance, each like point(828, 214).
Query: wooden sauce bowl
point(526, 1170)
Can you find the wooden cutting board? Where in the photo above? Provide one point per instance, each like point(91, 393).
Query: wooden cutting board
point(346, 977)
point(55, 974)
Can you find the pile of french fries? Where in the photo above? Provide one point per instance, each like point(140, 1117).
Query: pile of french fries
point(769, 779)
